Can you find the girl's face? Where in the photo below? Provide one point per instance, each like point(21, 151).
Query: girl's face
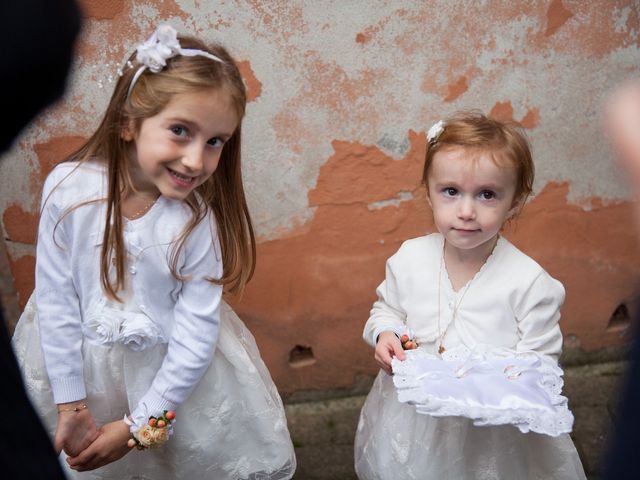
point(178, 149)
point(471, 197)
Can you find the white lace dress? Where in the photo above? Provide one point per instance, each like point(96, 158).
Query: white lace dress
point(512, 303)
point(394, 441)
point(232, 426)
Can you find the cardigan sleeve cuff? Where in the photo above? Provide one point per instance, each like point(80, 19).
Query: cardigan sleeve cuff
point(152, 404)
point(398, 330)
point(68, 389)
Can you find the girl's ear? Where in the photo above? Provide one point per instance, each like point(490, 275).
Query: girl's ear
point(516, 206)
point(127, 132)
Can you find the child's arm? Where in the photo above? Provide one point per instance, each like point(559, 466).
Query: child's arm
point(538, 314)
point(190, 350)
point(76, 428)
point(386, 322)
point(60, 327)
point(195, 328)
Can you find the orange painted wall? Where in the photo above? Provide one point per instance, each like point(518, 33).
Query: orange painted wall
point(334, 141)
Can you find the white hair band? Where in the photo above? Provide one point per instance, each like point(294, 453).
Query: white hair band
point(161, 46)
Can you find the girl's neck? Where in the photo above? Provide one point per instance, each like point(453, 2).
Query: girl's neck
point(462, 265)
point(137, 204)
point(140, 184)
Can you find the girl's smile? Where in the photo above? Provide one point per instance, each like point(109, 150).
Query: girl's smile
point(178, 149)
point(183, 181)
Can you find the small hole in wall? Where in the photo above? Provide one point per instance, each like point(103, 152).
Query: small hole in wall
point(301, 356)
point(620, 319)
point(571, 341)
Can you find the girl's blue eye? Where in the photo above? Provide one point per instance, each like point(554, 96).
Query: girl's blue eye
point(216, 142)
point(487, 195)
point(179, 131)
point(450, 191)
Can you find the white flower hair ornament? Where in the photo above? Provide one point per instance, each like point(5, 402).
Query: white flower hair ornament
point(161, 46)
point(435, 131)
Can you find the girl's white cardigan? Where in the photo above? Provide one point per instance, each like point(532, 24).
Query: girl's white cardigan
point(512, 301)
point(68, 287)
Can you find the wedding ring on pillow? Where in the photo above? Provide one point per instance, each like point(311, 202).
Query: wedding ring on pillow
point(473, 362)
point(463, 370)
point(429, 375)
point(515, 372)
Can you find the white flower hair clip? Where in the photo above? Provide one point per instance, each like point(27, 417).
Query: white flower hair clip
point(435, 131)
point(161, 46)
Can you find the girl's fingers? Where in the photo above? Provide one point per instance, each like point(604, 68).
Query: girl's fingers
point(109, 447)
point(83, 459)
point(385, 365)
point(398, 351)
point(89, 464)
point(75, 449)
point(74, 462)
point(75, 465)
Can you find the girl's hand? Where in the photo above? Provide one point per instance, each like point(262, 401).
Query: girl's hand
point(75, 430)
point(388, 346)
point(110, 446)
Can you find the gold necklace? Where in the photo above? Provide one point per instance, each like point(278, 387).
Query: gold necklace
point(143, 210)
point(441, 336)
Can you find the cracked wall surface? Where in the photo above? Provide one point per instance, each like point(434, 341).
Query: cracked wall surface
point(340, 96)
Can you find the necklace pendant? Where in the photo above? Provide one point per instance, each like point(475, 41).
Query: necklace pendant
point(441, 349)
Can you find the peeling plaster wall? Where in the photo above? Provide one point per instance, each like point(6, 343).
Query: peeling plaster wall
point(341, 93)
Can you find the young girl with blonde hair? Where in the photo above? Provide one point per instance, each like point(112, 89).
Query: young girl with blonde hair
point(127, 341)
point(465, 286)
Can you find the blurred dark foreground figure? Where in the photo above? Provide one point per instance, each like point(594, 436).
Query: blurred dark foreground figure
point(36, 38)
point(623, 127)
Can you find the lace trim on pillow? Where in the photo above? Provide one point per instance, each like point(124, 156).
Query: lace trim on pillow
point(492, 387)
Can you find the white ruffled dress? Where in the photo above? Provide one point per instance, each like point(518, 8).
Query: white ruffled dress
point(426, 427)
point(230, 421)
point(453, 433)
point(393, 441)
point(232, 426)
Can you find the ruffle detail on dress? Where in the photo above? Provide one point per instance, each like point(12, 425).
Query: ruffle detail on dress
point(491, 387)
point(232, 426)
point(132, 329)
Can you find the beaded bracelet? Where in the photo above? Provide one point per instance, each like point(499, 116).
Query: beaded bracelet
point(74, 409)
